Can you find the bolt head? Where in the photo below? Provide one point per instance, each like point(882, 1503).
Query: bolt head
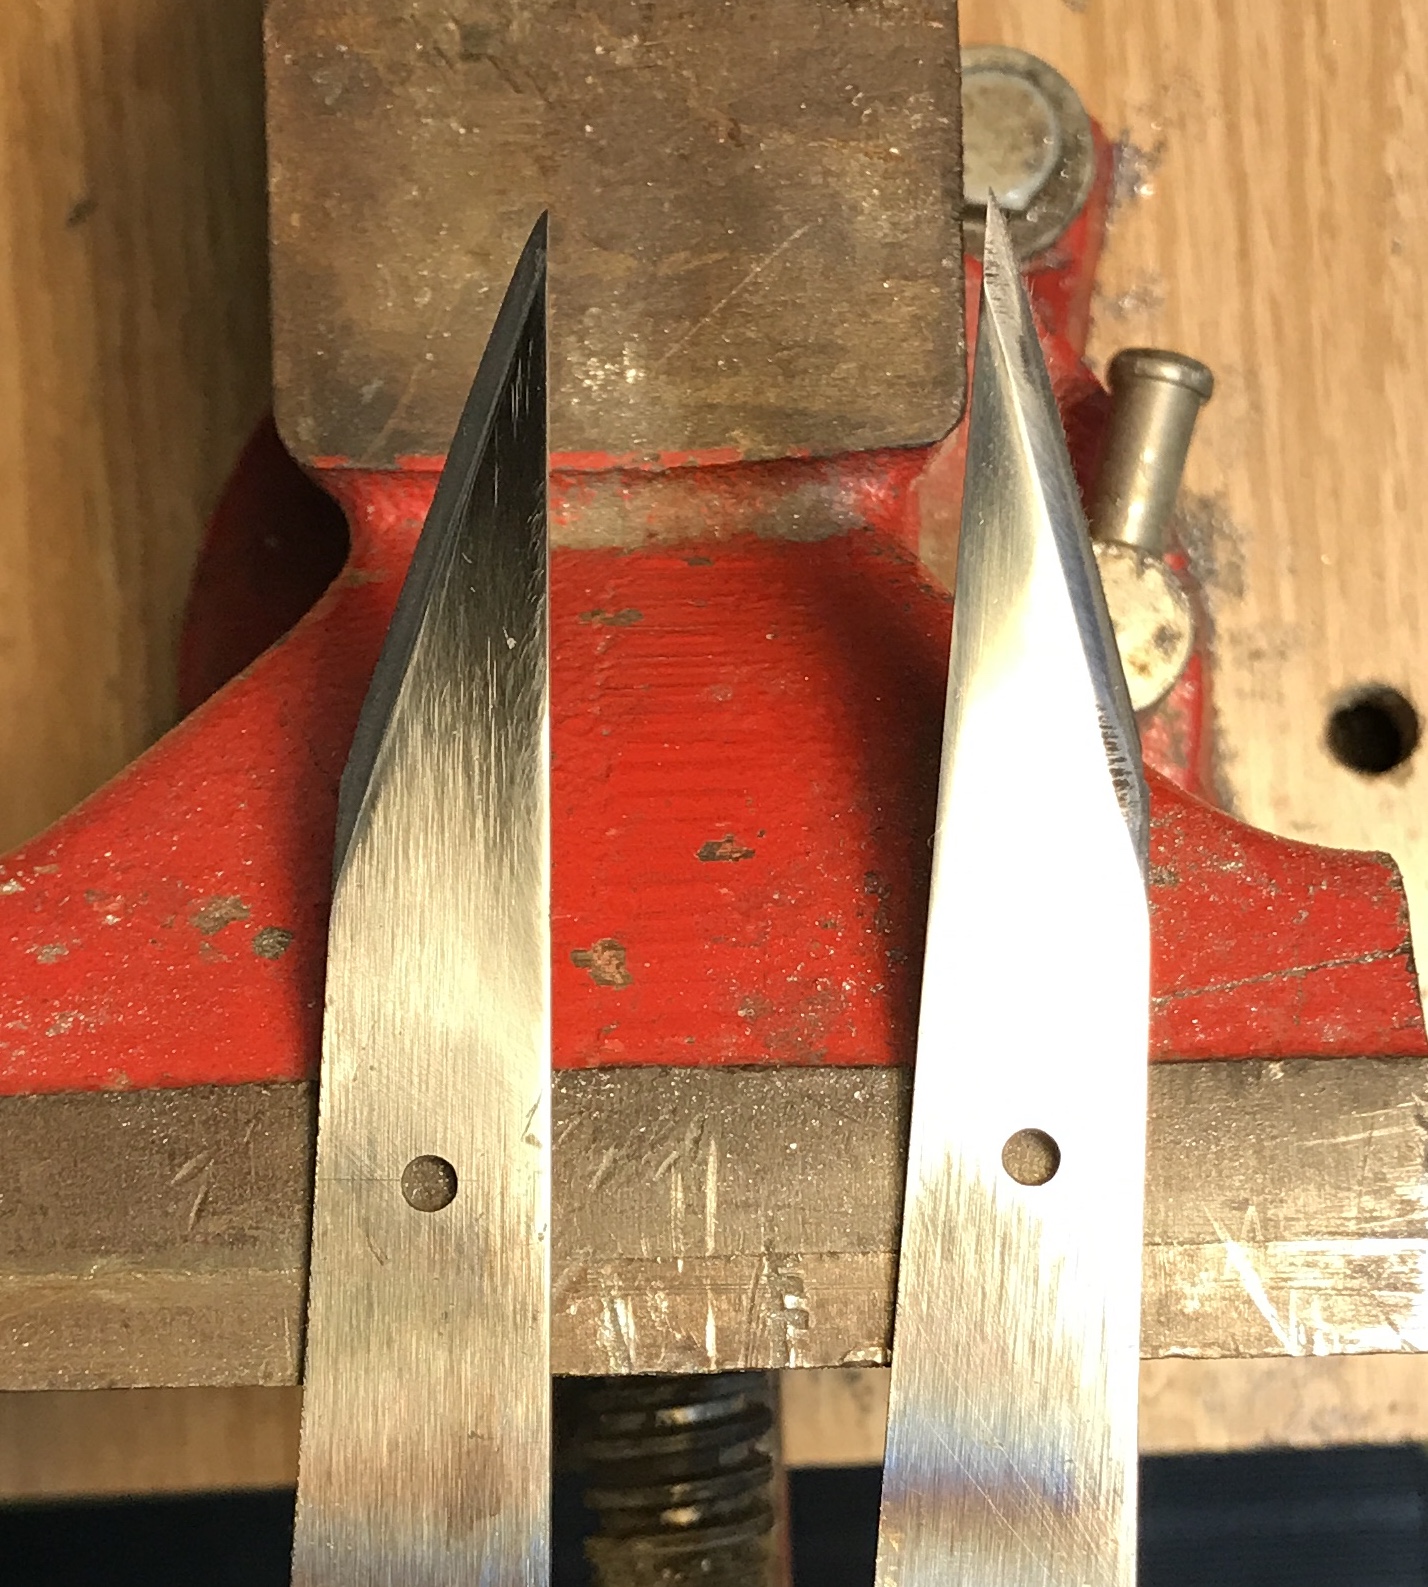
point(1027, 138)
point(1011, 139)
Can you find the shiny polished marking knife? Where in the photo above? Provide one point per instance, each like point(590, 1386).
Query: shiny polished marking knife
point(1011, 1451)
point(425, 1456)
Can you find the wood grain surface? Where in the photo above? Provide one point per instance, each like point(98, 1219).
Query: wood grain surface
point(56, 1444)
point(60, 1443)
point(1272, 220)
point(133, 362)
point(837, 1416)
point(133, 365)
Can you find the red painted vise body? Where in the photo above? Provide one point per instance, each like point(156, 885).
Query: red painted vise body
point(745, 736)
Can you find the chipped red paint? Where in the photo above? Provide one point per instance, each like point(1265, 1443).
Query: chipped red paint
point(744, 735)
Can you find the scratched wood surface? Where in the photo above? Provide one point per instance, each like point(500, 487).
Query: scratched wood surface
point(1273, 221)
point(133, 362)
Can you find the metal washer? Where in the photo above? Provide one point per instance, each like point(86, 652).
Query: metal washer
point(1067, 185)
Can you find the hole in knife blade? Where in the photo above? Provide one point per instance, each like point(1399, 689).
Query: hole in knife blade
point(1031, 1157)
point(429, 1184)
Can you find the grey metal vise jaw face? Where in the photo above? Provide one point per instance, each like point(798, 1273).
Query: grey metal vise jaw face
point(756, 209)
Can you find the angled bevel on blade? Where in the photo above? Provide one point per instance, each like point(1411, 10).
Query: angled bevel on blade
point(1011, 1452)
point(425, 1454)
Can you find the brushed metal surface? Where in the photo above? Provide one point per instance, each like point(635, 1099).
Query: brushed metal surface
point(737, 1218)
point(425, 1452)
point(1011, 1453)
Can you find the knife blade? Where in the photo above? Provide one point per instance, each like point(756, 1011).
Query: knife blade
point(1011, 1451)
point(425, 1450)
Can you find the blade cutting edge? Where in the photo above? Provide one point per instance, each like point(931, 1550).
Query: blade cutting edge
point(425, 1455)
point(1011, 1453)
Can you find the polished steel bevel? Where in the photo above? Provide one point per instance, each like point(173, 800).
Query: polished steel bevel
point(1011, 1455)
point(425, 1457)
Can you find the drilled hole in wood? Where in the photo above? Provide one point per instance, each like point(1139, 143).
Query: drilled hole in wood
point(1031, 1157)
point(429, 1184)
point(1373, 730)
